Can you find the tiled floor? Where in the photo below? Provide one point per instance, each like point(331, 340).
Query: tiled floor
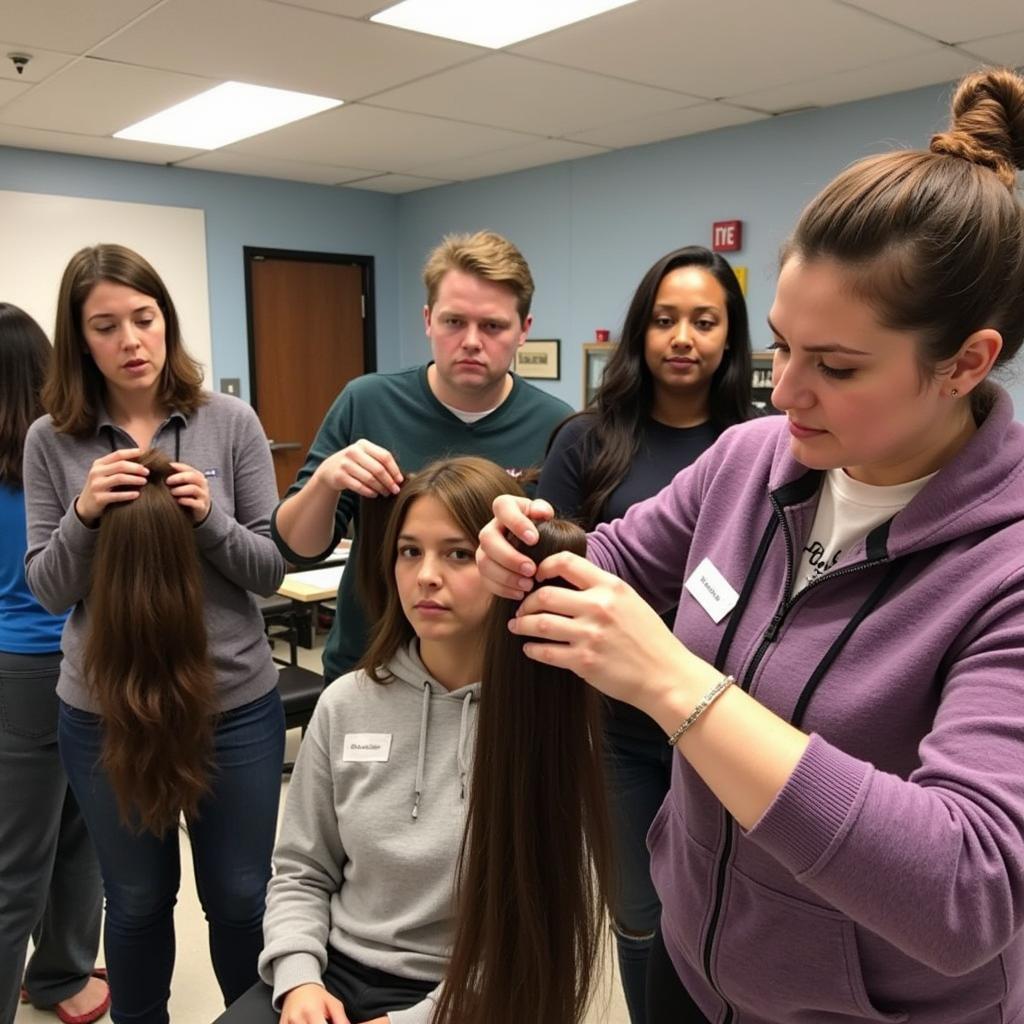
point(195, 998)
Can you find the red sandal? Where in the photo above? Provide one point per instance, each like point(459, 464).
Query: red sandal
point(83, 1018)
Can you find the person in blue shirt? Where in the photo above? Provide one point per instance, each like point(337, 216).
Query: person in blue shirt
point(49, 878)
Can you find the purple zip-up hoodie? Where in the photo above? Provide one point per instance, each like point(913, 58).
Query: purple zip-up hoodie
point(886, 881)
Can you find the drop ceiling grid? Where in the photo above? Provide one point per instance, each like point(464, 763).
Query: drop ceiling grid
point(689, 46)
point(278, 45)
point(421, 110)
point(529, 96)
point(93, 97)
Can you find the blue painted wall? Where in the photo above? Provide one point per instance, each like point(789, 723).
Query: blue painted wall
point(590, 228)
point(240, 211)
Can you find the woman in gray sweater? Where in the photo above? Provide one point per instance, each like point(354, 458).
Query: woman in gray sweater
point(121, 382)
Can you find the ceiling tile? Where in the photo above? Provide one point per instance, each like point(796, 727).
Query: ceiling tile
point(691, 46)
point(518, 158)
point(688, 121)
point(361, 136)
point(88, 145)
point(69, 26)
point(949, 22)
point(96, 97)
point(8, 90)
point(346, 8)
point(43, 63)
point(396, 183)
point(269, 167)
point(939, 65)
point(1008, 49)
point(527, 95)
point(288, 47)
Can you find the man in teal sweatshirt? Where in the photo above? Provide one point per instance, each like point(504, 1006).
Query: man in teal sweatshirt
point(466, 401)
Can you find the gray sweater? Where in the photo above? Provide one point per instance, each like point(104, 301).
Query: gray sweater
point(368, 848)
point(223, 439)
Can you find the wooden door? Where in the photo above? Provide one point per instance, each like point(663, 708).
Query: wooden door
point(308, 338)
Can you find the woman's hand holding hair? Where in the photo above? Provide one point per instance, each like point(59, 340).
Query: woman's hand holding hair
point(504, 570)
point(191, 489)
point(312, 1004)
point(607, 634)
point(111, 479)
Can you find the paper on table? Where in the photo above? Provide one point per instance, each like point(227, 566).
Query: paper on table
point(319, 579)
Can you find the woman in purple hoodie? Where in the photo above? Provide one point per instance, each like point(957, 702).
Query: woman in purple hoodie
point(844, 836)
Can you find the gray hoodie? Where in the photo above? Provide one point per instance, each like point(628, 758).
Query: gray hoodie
point(371, 833)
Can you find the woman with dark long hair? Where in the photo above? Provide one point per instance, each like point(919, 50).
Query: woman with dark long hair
point(49, 879)
point(416, 781)
point(146, 735)
point(844, 835)
point(679, 376)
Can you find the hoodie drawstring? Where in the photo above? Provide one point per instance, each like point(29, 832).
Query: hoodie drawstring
point(464, 742)
point(462, 754)
point(422, 757)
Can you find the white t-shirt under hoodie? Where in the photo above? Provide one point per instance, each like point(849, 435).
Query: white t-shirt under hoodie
point(847, 511)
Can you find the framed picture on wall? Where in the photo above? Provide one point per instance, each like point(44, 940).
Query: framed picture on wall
point(595, 358)
point(539, 359)
point(761, 380)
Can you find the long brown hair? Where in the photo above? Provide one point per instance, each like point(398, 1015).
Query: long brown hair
point(934, 240)
point(535, 869)
point(146, 656)
point(74, 386)
point(466, 487)
point(24, 357)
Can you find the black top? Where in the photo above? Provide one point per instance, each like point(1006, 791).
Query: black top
point(663, 451)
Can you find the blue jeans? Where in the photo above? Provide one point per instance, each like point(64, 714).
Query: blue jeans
point(639, 772)
point(232, 840)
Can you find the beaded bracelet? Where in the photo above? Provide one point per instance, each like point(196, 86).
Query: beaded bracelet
point(703, 704)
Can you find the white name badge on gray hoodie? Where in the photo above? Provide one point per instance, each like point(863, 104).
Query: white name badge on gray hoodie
point(367, 746)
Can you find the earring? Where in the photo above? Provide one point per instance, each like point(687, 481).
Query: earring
point(953, 393)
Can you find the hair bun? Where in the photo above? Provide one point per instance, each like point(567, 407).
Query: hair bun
point(988, 123)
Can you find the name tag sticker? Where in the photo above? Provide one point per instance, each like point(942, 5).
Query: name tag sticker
point(367, 746)
point(712, 591)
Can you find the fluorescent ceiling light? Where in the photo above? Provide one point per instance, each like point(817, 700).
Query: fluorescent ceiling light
point(225, 114)
point(493, 23)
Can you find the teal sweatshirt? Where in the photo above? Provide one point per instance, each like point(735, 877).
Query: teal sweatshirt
point(399, 412)
point(371, 834)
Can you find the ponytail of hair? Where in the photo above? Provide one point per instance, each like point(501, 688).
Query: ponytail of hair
point(535, 866)
point(146, 656)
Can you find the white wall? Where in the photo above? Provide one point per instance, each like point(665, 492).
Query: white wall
point(42, 232)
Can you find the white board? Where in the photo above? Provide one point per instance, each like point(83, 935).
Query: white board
point(40, 233)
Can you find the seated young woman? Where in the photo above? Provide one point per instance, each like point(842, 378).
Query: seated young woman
point(363, 919)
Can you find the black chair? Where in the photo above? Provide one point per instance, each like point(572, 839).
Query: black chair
point(299, 687)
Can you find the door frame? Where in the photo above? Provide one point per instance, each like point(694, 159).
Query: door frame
point(251, 254)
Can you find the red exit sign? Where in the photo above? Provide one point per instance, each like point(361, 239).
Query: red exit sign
point(727, 235)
